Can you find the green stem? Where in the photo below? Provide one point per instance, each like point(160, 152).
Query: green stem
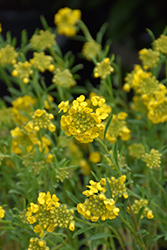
point(138, 240)
point(117, 236)
point(85, 30)
point(56, 57)
point(108, 153)
point(4, 76)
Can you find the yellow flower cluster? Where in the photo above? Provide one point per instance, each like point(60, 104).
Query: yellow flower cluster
point(103, 68)
point(136, 150)
point(90, 49)
point(49, 213)
point(37, 244)
point(42, 62)
point(81, 121)
point(40, 119)
point(161, 44)
point(61, 174)
point(64, 78)
point(117, 128)
point(117, 185)
point(149, 58)
point(21, 106)
point(23, 71)
point(2, 212)
point(22, 139)
point(8, 55)
point(97, 205)
point(43, 41)
point(65, 20)
point(153, 159)
point(150, 95)
point(138, 204)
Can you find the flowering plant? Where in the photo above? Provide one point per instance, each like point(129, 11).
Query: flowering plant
point(81, 167)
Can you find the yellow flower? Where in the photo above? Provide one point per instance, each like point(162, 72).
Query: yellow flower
point(37, 244)
point(81, 121)
point(153, 159)
point(63, 106)
point(161, 44)
point(44, 40)
point(64, 78)
point(66, 20)
point(137, 205)
point(22, 71)
point(90, 49)
point(103, 69)
point(149, 58)
point(136, 150)
point(40, 119)
point(8, 55)
point(41, 61)
point(2, 212)
point(95, 157)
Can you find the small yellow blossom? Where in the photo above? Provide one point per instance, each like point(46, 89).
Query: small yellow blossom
point(149, 58)
point(65, 20)
point(153, 159)
point(64, 78)
point(40, 119)
point(136, 150)
point(137, 205)
point(0, 27)
point(90, 49)
point(8, 55)
point(63, 106)
point(157, 110)
point(85, 168)
point(103, 69)
point(161, 44)
point(44, 40)
point(2, 212)
point(81, 121)
point(117, 128)
point(95, 157)
point(37, 244)
point(22, 71)
point(41, 61)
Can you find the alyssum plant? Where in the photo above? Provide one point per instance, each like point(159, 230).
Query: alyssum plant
point(81, 167)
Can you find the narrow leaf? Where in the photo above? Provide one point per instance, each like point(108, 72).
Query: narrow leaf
point(82, 230)
point(72, 197)
point(107, 125)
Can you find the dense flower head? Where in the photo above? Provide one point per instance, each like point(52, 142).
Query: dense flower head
point(112, 163)
point(37, 244)
point(161, 44)
point(157, 110)
point(81, 121)
point(8, 55)
point(49, 213)
point(117, 128)
point(33, 165)
point(139, 104)
point(152, 159)
point(41, 61)
point(65, 20)
point(136, 150)
point(22, 107)
point(2, 212)
point(40, 119)
point(103, 68)
point(97, 205)
point(117, 186)
point(137, 205)
point(7, 117)
point(64, 78)
point(23, 71)
point(22, 139)
point(90, 49)
point(149, 58)
point(61, 174)
point(44, 40)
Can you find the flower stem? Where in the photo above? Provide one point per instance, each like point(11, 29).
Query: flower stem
point(85, 30)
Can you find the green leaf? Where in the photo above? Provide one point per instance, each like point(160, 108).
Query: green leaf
point(97, 179)
point(107, 125)
point(44, 22)
point(101, 32)
point(82, 230)
point(140, 213)
point(143, 232)
point(108, 188)
point(100, 236)
point(72, 197)
point(154, 239)
point(24, 38)
point(151, 34)
point(115, 152)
